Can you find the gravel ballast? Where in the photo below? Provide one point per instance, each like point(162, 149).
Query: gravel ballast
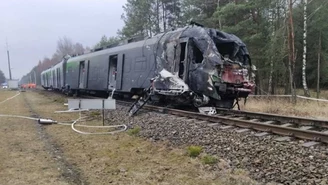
point(264, 158)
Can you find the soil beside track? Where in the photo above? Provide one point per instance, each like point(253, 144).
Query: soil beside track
point(28, 157)
point(24, 157)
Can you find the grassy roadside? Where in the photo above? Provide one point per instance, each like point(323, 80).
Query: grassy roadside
point(127, 159)
point(303, 108)
point(24, 159)
point(4, 94)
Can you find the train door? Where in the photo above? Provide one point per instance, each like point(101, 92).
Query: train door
point(46, 77)
point(182, 60)
point(112, 72)
point(86, 73)
point(58, 78)
point(82, 74)
point(119, 75)
point(53, 79)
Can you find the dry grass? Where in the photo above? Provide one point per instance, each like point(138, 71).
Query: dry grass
point(4, 94)
point(23, 157)
point(323, 93)
point(283, 106)
point(125, 159)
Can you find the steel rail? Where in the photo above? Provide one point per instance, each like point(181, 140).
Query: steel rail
point(260, 126)
point(239, 122)
point(265, 126)
point(300, 121)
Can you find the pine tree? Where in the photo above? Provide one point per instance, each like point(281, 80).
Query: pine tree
point(2, 77)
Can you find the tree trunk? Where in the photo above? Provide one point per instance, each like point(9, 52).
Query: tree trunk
point(318, 75)
point(164, 16)
point(305, 87)
point(292, 58)
point(270, 84)
point(218, 7)
point(158, 29)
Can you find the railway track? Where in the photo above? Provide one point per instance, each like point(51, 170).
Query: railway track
point(314, 130)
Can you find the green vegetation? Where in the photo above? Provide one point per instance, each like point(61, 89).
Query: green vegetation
point(194, 151)
point(261, 24)
point(135, 131)
point(208, 159)
point(2, 77)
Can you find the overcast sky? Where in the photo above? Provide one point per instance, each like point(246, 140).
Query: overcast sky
point(32, 27)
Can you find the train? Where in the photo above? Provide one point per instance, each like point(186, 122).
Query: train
point(193, 65)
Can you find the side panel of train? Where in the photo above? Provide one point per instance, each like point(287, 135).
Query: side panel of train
point(125, 69)
point(54, 78)
point(46, 78)
point(58, 76)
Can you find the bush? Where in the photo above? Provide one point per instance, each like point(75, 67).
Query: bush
point(194, 151)
point(134, 131)
point(208, 159)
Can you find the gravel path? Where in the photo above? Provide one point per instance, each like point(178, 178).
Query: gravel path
point(266, 160)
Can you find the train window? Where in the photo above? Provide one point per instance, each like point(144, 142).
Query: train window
point(197, 55)
point(182, 59)
point(112, 67)
point(225, 49)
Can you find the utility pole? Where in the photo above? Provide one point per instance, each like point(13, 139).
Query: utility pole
point(8, 60)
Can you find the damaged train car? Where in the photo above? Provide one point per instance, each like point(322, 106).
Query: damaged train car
point(200, 66)
point(194, 65)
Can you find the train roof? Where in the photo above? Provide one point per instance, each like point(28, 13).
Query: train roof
point(149, 41)
point(198, 33)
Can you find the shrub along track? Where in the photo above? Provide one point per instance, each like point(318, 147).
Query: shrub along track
point(69, 172)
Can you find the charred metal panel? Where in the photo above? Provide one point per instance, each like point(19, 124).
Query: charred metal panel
point(200, 68)
point(205, 65)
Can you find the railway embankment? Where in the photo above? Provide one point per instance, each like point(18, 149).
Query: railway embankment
point(55, 154)
point(265, 158)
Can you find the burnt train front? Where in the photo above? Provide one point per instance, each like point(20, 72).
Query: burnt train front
point(202, 66)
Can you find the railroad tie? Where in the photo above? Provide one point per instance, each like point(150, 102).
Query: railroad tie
point(261, 134)
point(286, 125)
point(285, 138)
point(213, 124)
point(309, 144)
point(181, 118)
point(190, 120)
point(227, 127)
point(240, 118)
point(242, 130)
point(306, 127)
point(269, 122)
point(202, 122)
